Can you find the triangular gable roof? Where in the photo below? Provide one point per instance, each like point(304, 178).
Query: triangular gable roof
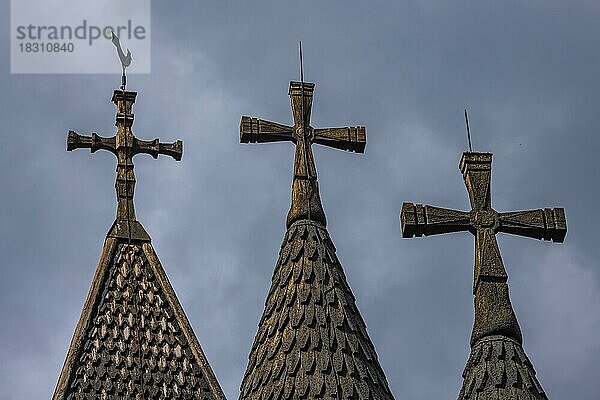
point(133, 337)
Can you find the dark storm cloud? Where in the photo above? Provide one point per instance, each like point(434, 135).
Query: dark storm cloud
point(527, 71)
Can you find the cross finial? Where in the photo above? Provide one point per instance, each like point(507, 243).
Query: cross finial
point(494, 314)
point(124, 145)
point(306, 202)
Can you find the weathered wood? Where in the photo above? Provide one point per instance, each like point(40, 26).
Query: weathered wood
point(125, 145)
point(306, 202)
point(350, 138)
point(547, 224)
point(312, 342)
point(133, 339)
point(85, 319)
point(419, 220)
point(184, 324)
point(254, 130)
point(494, 314)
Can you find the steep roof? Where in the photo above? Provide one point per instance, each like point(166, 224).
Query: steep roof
point(312, 341)
point(133, 339)
point(499, 369)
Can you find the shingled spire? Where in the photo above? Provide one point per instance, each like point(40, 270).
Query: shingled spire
point(312, 341)
point(498, 368)
point(133, 339)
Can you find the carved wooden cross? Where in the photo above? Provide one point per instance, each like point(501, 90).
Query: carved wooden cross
point(493, 312)
point(306, 203)
point(125, 145)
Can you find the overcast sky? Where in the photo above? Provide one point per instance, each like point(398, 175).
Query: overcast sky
point(529, 73)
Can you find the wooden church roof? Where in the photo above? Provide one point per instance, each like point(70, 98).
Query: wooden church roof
point(133, 339)
point(312, 341)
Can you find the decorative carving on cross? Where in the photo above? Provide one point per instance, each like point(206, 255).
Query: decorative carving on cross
point(494, 314)
point(124, 145)
point(306, 202)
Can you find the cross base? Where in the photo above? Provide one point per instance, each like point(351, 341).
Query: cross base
point(125, 229)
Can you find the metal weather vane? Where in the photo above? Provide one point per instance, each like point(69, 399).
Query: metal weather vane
point(125, 59)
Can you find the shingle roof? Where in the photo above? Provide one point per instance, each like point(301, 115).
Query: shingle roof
point(312, 341)
point(499, 369)
point(133, 339)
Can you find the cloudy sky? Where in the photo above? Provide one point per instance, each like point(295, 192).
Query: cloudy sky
point(529, 74)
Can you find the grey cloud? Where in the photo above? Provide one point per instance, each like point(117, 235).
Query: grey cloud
point(528, 73)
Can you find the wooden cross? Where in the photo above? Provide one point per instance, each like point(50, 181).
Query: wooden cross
point(493, 312)
point(306, 203)
point(124, 145)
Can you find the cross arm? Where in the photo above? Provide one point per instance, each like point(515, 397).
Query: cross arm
point(93, 142)
point(254, 130)
point(419, 220)
point(154, 148)
point(547, 224)
point(350, 138)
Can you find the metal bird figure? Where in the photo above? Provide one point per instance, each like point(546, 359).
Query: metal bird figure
point(125, 59)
